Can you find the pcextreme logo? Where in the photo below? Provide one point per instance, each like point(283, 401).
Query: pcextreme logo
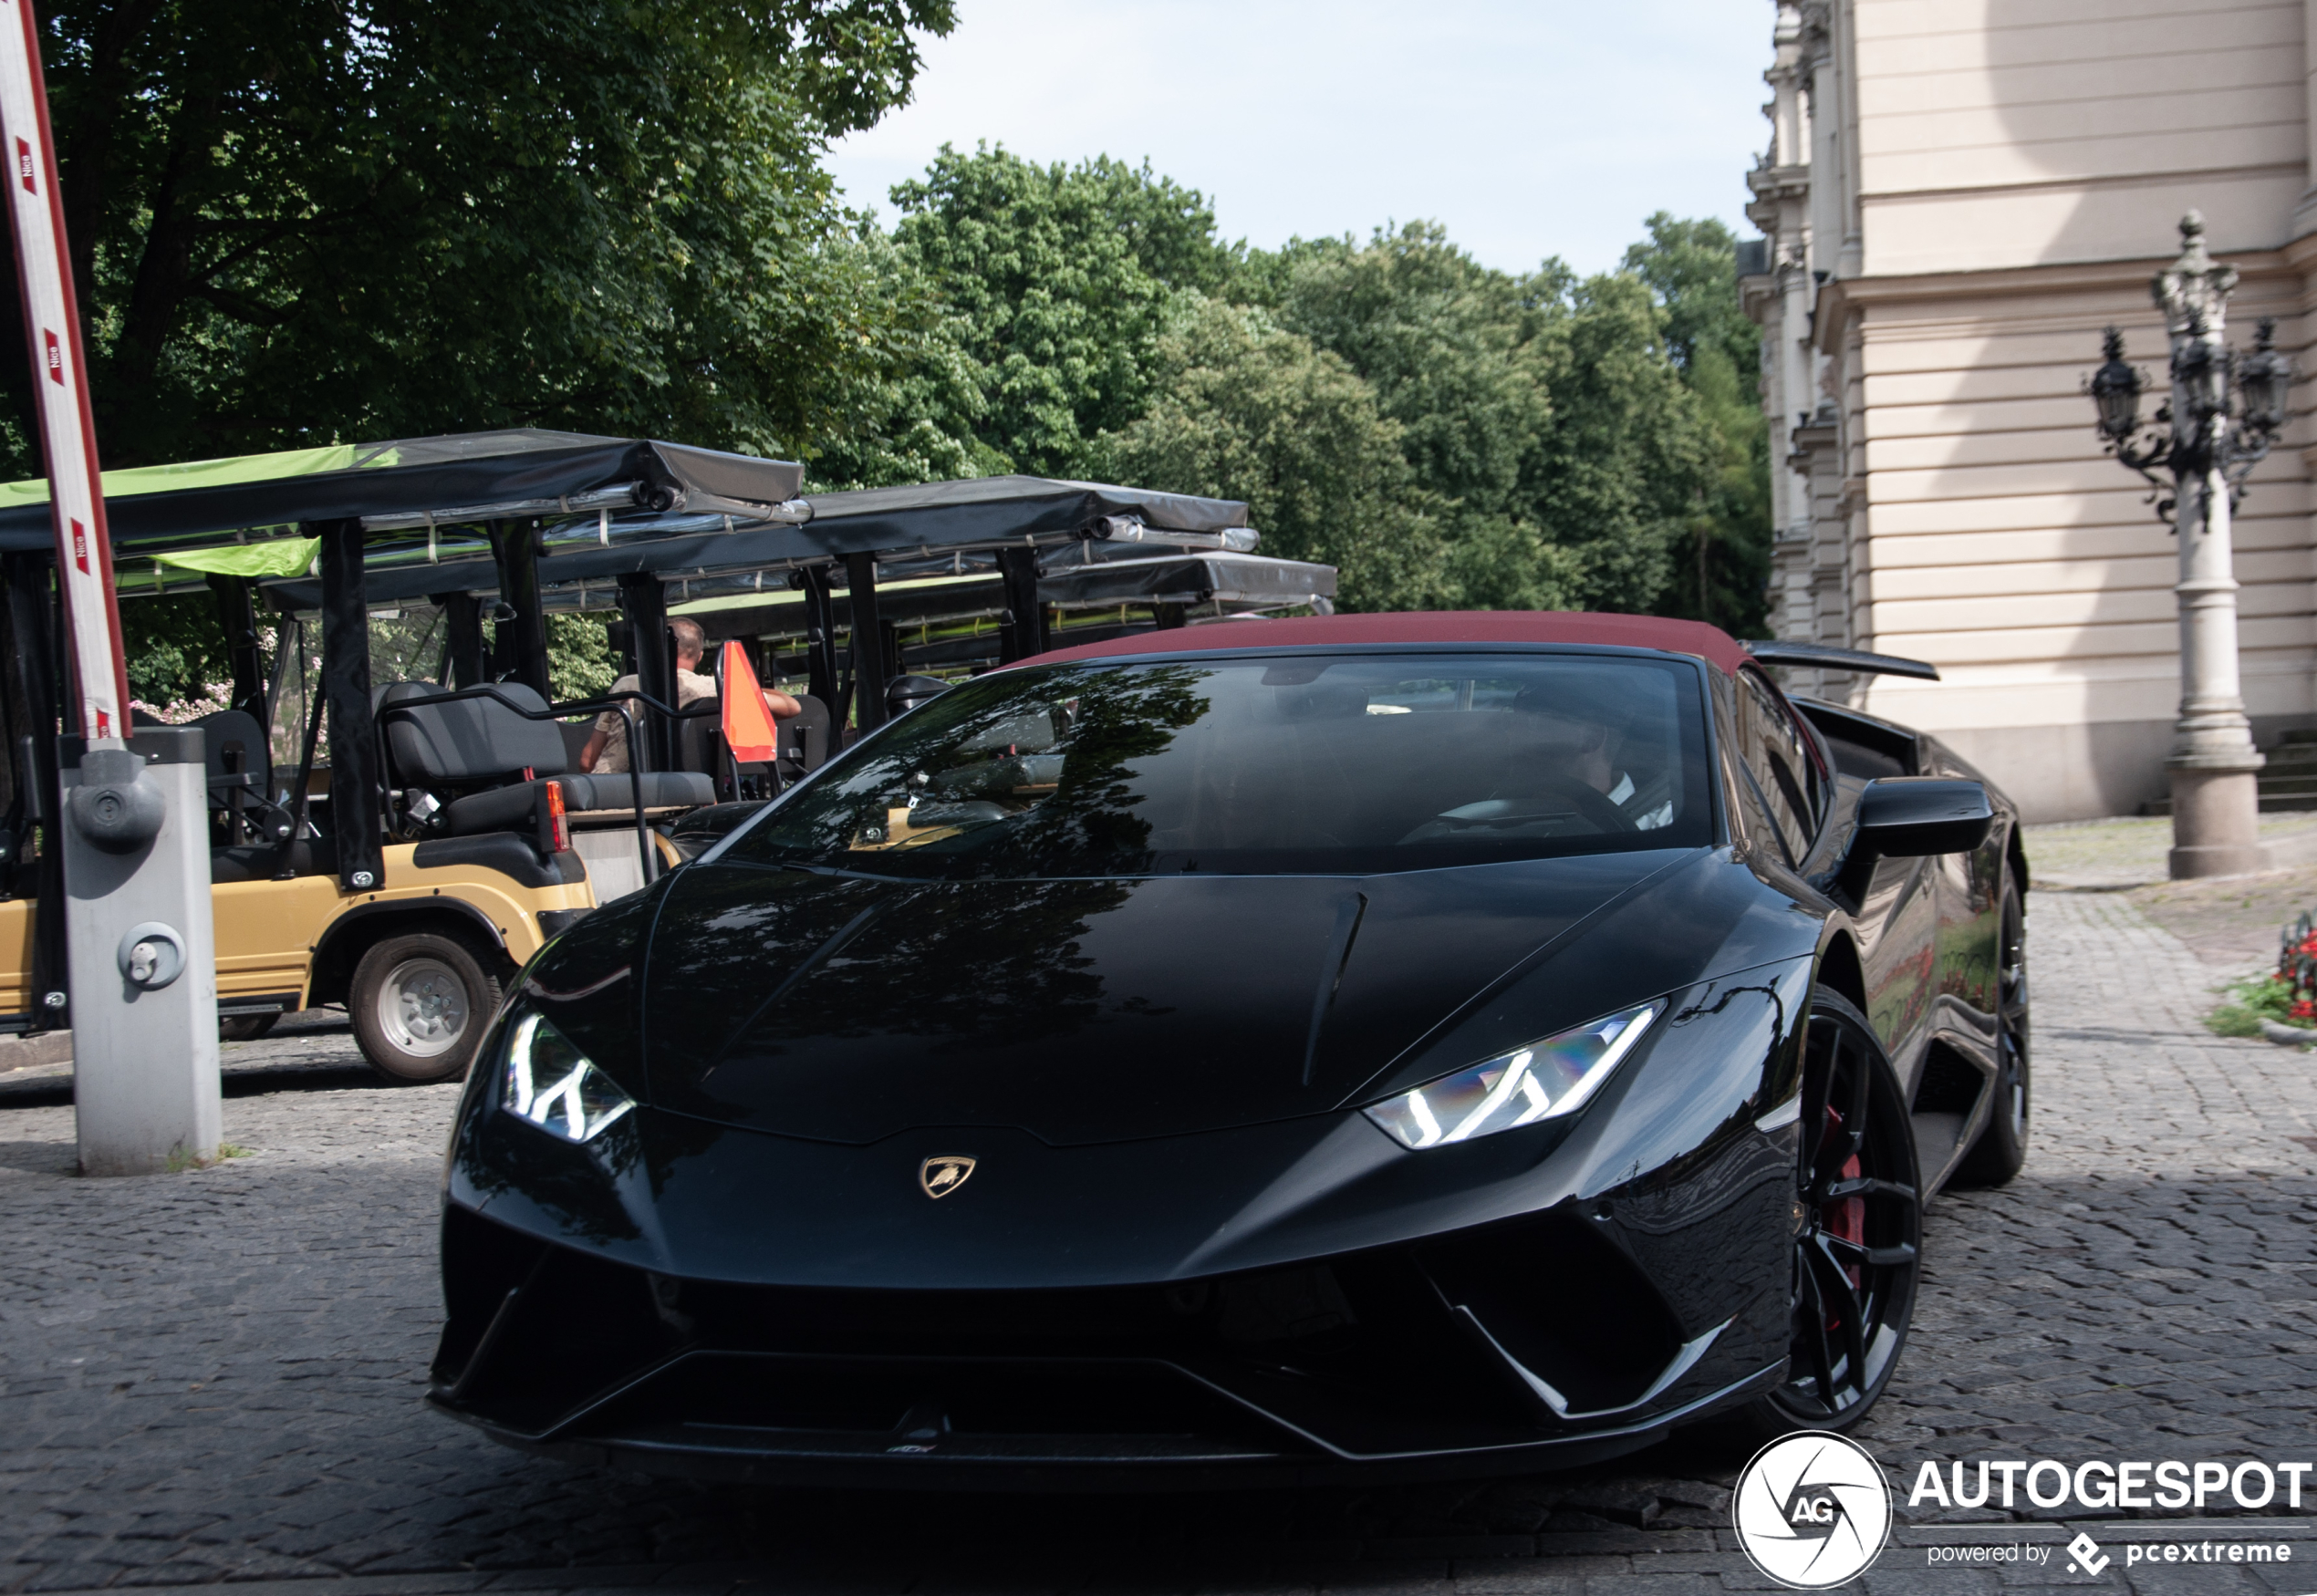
point(1813, 1510)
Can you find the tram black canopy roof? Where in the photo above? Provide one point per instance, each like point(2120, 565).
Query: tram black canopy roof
point(930, 518)
point(175, 505)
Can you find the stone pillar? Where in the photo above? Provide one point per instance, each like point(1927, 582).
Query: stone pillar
point(1825, 159)
point(1850, 259)
point(1798, 391)
point(2215, 800)
point(2214, 796)
point(2305, 213)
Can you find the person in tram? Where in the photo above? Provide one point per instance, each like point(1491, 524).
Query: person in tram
point(607, 749)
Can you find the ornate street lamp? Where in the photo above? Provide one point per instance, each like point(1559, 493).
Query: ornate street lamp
point(2224, 412)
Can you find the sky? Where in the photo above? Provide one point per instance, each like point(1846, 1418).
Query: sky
point(1529, 128)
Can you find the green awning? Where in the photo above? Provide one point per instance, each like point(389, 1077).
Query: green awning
point(199, 473)
point(280, 556)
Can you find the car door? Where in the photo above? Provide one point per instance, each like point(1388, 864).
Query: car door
point(1897, 919)
point(1779, 799)
point(1969, 888)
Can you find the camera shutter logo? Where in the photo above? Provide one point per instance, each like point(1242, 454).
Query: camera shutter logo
point(1813, 1510)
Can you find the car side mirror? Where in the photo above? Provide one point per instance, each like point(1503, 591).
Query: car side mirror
point(905, 693)
point(1907, 817)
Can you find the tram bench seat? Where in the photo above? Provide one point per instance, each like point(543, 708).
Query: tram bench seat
point(486, 762)
point(512, 808)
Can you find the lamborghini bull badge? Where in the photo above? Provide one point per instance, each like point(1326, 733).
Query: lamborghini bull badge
point(943, 1174)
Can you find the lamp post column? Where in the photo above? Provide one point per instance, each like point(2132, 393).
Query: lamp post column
point(2213, 763)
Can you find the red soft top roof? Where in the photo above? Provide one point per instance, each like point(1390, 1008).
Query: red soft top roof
point(1468, 625)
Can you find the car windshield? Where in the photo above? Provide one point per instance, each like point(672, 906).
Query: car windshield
point(1359, 764)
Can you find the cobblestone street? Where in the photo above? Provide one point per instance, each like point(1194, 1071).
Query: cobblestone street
point(217, 1375)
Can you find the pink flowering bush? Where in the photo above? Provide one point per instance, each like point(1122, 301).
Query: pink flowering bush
point(214, 696)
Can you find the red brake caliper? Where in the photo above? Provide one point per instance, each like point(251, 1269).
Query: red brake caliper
point(1847, 1216)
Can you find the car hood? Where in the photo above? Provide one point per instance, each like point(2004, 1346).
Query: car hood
point(849, 1009)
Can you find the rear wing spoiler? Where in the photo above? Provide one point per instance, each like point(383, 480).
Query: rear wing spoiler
point(1819, 656)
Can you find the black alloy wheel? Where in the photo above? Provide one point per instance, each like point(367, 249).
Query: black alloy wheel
point(2002, 1148)
point(1859, 1229)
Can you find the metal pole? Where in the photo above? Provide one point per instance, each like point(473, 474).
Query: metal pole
point(868, 642)
point(820, 638)
point(515, 548)
point(643, 601)
point(1025, 634)
point(462, 618)
point(358, 786)
point(2215, 800)
point(134, 833)
point(238, 616)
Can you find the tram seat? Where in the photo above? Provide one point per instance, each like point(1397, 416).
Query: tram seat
point(479, 757)
point(804, 739)
point(240, 781)
point(574, 739)
point(233, 745)
point(604, 792)
point(802, 744)
point(468, 743)
point(700, 738)
point(487, 762)
point(700, 749)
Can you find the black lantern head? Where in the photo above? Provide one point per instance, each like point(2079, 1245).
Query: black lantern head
point(2115, 389)
point(2263, 379)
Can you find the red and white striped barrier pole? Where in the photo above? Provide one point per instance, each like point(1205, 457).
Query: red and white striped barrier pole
point(134, 833)
point(52, 336)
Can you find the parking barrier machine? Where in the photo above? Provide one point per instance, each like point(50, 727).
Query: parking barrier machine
point(136, 877)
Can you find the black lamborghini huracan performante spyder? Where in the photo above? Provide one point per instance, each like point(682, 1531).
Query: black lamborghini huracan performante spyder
point(1262, 1051)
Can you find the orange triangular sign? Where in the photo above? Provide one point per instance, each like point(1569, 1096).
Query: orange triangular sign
point(748, 722)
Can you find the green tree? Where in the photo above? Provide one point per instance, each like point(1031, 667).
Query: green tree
point(1246, 410)
point(175, 647)
point(1629, 458)
point(1058, 282)
point(580, 664)
point(306, 221)
point(1544, 415)
point(912, 400)
point(1691, 270)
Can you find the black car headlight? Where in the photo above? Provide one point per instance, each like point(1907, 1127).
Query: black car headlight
point(1541, 1081)
point(548, 1082)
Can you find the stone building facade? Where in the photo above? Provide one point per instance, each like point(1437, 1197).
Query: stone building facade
point(1957, 197)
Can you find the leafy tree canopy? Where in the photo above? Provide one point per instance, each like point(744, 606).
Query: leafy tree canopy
point(300, 222)
point(1543, 415)
point(1059, 282)
point(1246, 410)
point(1691, 270)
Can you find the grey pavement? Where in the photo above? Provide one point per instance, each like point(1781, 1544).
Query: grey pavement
point(215, 1376)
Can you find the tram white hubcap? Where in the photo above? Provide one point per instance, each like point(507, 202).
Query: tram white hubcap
point(422, 1007)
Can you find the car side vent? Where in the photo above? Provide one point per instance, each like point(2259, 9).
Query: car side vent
point(1950, 1084)
point(1281, 1305)
point(1563, 1303)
